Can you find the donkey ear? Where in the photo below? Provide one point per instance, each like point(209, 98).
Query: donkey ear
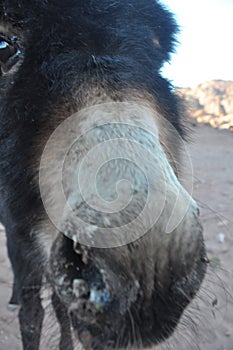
point(165, 36)
point(164, 28)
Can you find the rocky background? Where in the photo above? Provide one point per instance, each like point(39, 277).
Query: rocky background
point(210, 103)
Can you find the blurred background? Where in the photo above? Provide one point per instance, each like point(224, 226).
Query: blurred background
point(201, 68)
point(202, 71)
point(205, 51)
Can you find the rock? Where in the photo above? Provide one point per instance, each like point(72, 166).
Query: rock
point(221, 237)
point(210, 103)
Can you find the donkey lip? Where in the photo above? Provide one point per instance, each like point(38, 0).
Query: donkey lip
point(76, 278)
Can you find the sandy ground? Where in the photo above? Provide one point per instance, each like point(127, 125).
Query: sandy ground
point(208, 322)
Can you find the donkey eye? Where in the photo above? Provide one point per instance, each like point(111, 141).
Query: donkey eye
point(9, 54)
point(3, 44)
point(6, 51)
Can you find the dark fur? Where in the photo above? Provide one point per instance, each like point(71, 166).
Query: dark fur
point(65, 44)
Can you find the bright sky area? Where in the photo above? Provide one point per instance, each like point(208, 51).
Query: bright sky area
point(205, 51)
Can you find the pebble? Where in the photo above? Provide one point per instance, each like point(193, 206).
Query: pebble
point(223, 223)
point(13, 307)
point(221, 237)
point(227, 334)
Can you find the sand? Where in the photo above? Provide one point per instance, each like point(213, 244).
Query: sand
point(208, 323)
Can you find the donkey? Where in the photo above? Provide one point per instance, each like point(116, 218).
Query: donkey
point(90, 140)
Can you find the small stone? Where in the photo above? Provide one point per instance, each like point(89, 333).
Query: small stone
point(13, 307)
point(221, 237)
point(223, 223)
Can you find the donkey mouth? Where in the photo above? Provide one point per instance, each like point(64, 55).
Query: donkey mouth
point(79, 283)
point(104, 302)
point(95, 303)
point(91, 291)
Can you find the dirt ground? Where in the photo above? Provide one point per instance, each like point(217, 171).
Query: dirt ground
point(208, 323)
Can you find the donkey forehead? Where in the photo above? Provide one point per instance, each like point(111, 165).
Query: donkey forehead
point(149, 12)
point(112, 23)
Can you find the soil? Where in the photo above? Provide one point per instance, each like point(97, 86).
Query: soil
point(208, 323)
